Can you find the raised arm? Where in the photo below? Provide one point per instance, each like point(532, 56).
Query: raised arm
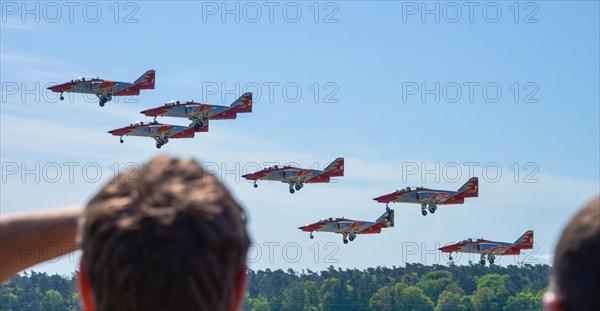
point(27, 239)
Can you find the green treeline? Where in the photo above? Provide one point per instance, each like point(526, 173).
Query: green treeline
point(414, 287)
point(40, 291)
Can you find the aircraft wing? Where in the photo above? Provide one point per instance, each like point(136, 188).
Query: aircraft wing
point(296, 174)
point(225, 115)
point(351, 226)
point(318, 179)
point(315, 176)
point(493, 248)
point(365, 227)
point(107, 85)
point(164, 128)
point(202, 108)
point(356, 224)
point(172, 131)
point(303, 175)
point(433, 196)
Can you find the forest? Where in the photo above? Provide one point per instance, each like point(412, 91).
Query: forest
point(412, 287)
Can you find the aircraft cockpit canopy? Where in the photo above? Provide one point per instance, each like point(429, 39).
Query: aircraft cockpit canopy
point(405, 189)
point(81, 79)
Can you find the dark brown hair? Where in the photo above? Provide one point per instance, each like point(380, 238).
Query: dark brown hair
point(168, 236)
point(576, 272)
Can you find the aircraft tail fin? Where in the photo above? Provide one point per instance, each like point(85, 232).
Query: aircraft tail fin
point(470, 189)
point(387, 219)
point(336, 168)
point(525, 241)
point(243, 104)
point(146, 81)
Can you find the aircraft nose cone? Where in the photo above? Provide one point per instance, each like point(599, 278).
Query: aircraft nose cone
point(379, 198)
point(152, 112)
point(301, 228)
point(248, 176)
point(118, 132)
point(448, 248)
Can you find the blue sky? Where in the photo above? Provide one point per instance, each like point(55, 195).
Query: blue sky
point(362, 65)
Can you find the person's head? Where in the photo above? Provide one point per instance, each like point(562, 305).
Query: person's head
point(166, 236)
point(576, 273)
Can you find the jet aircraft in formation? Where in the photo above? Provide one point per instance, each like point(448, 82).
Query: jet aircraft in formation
point(491, 249)
point(160, 132)
point(106, 89)
point(350, 228)
point(296, 177)
point(200, 113)
point(430, 197)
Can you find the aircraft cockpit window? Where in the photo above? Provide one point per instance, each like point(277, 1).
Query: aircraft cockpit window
point(81, 79)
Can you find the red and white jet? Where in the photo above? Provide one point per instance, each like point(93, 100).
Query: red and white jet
point(431, 197)
point(200, 113)
point(296, 177)
point(106, 89)
point(160, 132)
point(350, 228)
point(491, 249)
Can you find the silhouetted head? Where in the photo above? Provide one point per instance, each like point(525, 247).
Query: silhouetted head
point(167, 236)
point(576, 272)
